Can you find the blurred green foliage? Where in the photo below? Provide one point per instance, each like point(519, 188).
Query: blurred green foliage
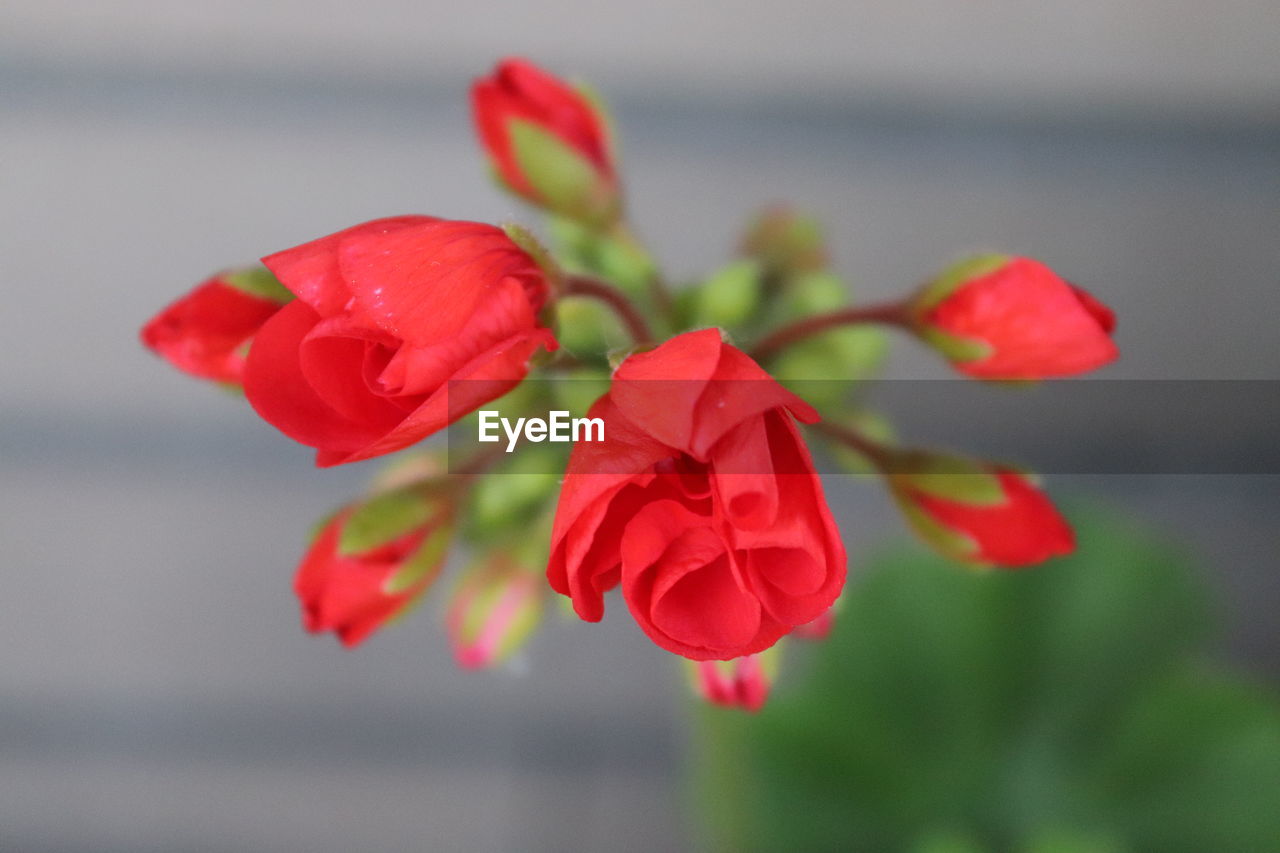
point(1065, 709)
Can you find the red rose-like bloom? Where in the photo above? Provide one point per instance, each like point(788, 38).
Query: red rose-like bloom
point(354, 594)
point(546, 141)
point(388, 313)
point(205, 333)
point(701, 501)
point(1016, 319)
point(1021, 527)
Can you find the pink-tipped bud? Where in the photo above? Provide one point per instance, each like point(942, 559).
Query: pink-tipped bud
point(494, 610)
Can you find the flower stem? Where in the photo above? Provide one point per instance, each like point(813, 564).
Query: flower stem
point(576, 285)
point(885, 314)
point(878, 454)
point(658, 290)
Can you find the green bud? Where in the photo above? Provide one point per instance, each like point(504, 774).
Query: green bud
point(586, 328)
point(786, 242)
point(729, 297)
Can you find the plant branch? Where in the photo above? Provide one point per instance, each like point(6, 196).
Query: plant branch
point(576, 285)
point(877, 453)
point(885, 314)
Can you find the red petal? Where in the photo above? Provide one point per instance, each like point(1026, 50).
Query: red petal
point(203, 332)
point(423, 283)
point(679, 583)
point(311, 270)
point(278, 389)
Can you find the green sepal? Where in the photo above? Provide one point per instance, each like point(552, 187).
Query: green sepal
point(954, 347)
point(562, 179)
point(384, 518)
point(260, 282)
point(532, 246)
point(959, 273)
point(424, 563)
point(951, 478)
point(730, 296)
point(947, 542)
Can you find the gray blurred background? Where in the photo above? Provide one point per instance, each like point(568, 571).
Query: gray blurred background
point(156, 690)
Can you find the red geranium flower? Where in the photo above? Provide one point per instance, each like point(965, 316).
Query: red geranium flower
point(388, 313)
point(701, 501)
point(999, 317)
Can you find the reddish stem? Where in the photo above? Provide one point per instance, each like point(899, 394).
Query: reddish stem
point(885, 314)
point(592, 289)
point(877, 453)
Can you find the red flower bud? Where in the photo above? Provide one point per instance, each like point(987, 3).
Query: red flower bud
point(979, 513)
point(1000, 317)
point(206, 332)
point(359, 572)
point(388, 313)
point(701, 501)
point(743, 682)
point(493, 611)
point(547, 142)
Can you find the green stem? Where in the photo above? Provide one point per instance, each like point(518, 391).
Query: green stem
point(658, 289)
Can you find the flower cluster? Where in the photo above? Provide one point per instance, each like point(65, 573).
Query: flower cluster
point(701, 500)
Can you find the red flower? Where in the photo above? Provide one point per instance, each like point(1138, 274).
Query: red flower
point(701, 501)
point(743, 682)
point(546, 141)
point(978, 513)
point(352, 592)
point(388, 313)
point(1000, 317)
point(206, 332)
